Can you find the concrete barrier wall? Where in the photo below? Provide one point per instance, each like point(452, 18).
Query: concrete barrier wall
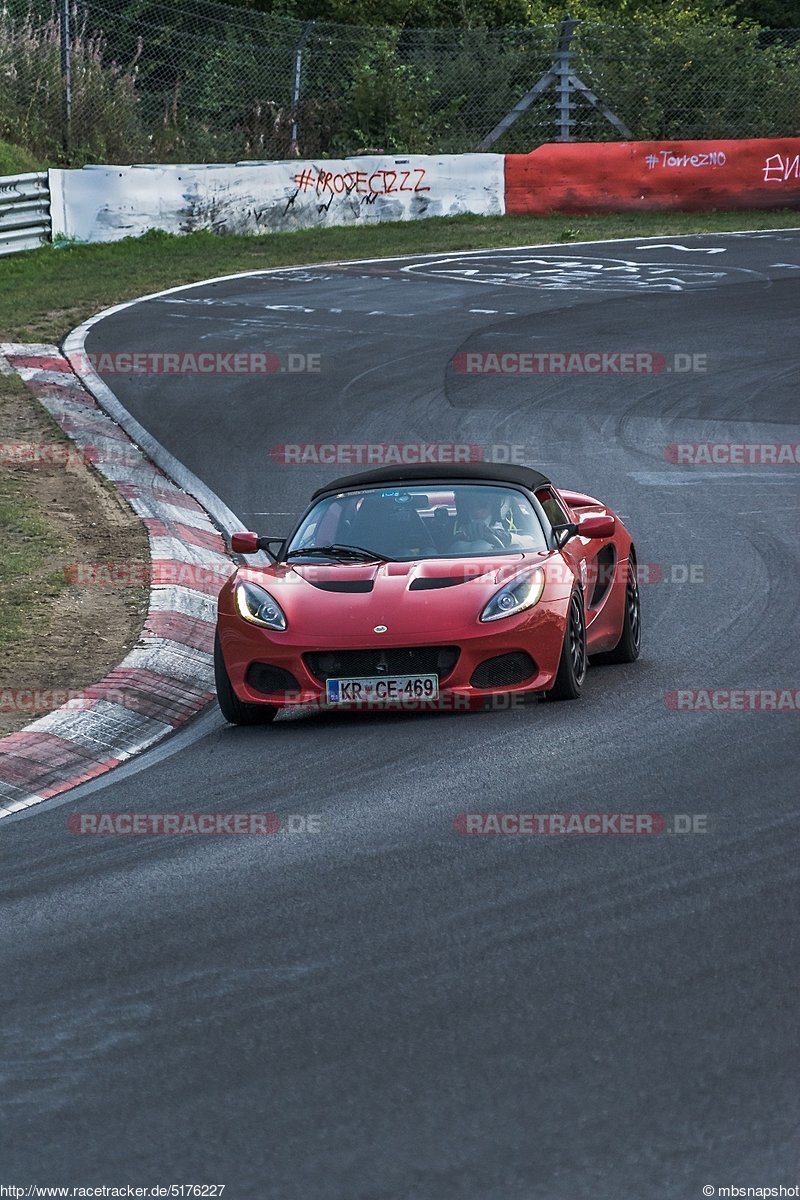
point(594, 177)
point(103, 204)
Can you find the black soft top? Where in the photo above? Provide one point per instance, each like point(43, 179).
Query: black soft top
point(487, 471)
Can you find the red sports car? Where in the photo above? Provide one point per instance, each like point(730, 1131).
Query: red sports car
point(422, 587)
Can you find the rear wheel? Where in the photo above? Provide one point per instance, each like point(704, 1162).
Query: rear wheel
point(573, 662)
point(630, 642)
point(233, 709)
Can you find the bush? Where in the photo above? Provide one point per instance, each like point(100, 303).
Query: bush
point(105, 124)
point(164, 81)
point(670, 79)
point(392, 105)
point(16, 161)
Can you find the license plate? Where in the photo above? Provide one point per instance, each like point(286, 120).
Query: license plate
point(383, 689)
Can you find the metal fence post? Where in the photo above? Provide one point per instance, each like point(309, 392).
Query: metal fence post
point(297, 75)
point(563, 70)
point(561, 76)
point(66, 76)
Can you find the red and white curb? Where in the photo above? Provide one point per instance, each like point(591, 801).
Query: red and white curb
point(168, 676)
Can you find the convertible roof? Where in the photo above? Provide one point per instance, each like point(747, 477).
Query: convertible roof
point(489, 471)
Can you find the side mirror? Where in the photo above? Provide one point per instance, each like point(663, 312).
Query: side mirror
point(244, 543)
point(597, 526)
point(562, 533)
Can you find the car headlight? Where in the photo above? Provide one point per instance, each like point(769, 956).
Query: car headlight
point(258, 607)
point(522, 592)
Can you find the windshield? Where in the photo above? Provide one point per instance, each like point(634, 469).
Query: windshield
point(404, 523)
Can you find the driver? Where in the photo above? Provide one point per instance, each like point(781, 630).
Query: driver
point(477, 526)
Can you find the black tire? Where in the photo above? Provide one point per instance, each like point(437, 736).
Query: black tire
point(233, 709)
point(629, 645)
point(574, 662)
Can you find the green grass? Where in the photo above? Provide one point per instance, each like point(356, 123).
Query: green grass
point(45, 293)
point(27, 539)
point(16, 161)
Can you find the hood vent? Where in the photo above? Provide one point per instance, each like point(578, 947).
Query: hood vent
point(428, 583)
point(342, 585)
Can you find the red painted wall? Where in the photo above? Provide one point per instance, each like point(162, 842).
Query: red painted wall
point(584, 177)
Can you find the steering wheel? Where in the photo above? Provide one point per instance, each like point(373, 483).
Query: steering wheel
point(476, 531)
point(491, 536)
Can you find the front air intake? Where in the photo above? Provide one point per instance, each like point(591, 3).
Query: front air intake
point(504, 670)
point(264, 677)
point(404, 660)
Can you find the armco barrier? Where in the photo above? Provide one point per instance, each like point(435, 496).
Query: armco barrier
point(103, 204)
point(592, 177)
point(24, 212)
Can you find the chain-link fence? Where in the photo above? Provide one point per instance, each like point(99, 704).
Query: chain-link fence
point(166, 81)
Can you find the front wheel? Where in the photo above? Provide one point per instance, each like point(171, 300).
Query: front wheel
point(630, 643)
point(234, 710)
point(573, 662)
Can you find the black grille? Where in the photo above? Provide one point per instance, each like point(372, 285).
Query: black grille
point(503, 670)
point(406, 660)
point(263, 677)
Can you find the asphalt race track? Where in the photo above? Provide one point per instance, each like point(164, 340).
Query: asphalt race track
point(386, 1010)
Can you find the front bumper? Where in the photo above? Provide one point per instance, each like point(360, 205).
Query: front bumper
point(538, 633)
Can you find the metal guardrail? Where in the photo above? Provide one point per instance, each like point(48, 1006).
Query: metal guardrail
point(24, 212)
